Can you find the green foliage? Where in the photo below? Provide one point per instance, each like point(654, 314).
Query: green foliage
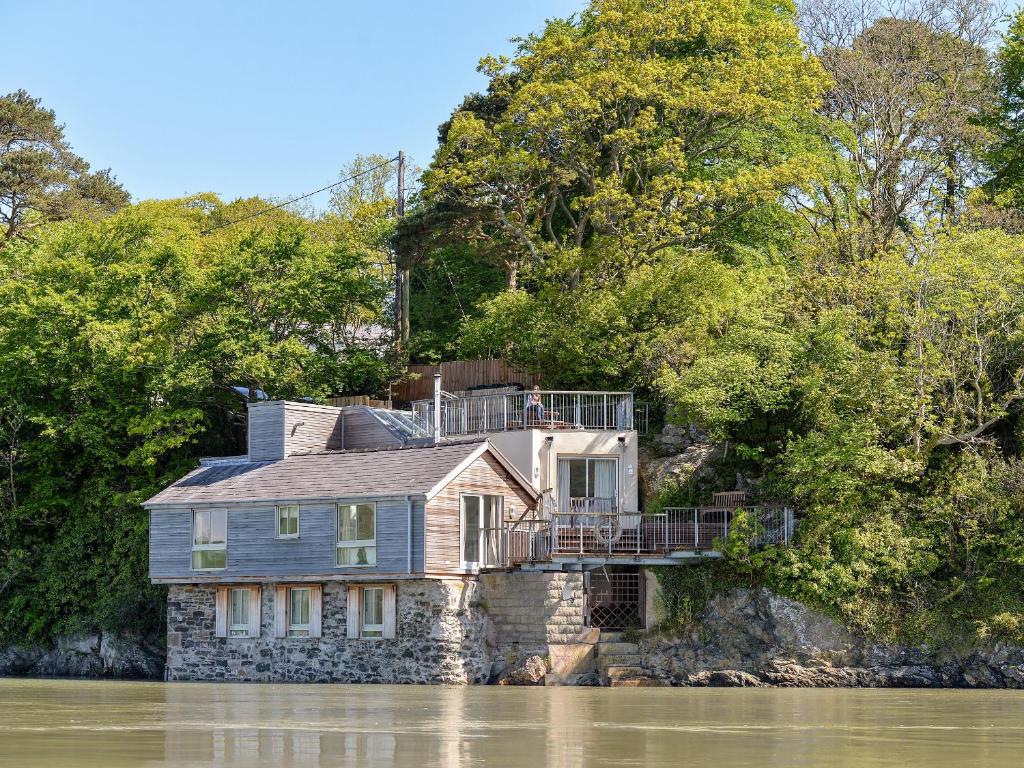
point(121, 343)
point(41, 179)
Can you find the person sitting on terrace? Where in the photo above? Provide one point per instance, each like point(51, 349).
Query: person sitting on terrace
point(534, 408)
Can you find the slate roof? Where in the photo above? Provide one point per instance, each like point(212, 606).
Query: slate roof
point(337, 474)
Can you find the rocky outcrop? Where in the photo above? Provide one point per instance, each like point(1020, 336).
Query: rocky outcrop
point(99, 655)
point(695, 462)
point(754, 638)
point(529, 671)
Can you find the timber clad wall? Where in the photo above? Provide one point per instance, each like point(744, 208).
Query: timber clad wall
point(310, 428)
point(278, 429)
point(443, 526)
point(255, 551)
point(362, 430)
point(266, 431)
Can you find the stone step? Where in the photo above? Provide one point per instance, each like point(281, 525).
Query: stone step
point(612, 648)
point(608, 636)
point(629, 676)
point(636, 682)
point(620, 660)
point(624, 671)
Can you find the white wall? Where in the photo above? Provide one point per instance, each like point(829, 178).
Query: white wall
point(537, 459)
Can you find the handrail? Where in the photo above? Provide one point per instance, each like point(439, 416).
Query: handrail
point(653, 534)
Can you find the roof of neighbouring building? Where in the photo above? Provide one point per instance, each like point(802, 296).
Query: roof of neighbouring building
point(415, 471)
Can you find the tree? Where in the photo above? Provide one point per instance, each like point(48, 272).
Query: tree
point(41, 179)
point(905, 117)
point(650, 123)
point(128, 348)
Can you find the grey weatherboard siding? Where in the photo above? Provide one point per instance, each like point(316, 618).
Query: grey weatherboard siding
point(255, 551)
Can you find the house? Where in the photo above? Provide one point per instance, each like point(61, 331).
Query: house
point(360, 544)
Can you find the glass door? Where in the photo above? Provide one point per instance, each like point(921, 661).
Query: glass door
point(481, 529)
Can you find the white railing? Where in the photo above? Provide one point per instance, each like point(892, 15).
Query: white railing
point(469, 414)
point(674, 529)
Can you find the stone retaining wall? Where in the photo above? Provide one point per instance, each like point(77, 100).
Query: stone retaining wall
point(531, 611)
point(442, 638)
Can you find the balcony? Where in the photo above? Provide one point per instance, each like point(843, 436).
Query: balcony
point(476, 414)
point(642, 536)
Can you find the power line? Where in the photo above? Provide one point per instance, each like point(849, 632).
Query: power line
point(300, 197)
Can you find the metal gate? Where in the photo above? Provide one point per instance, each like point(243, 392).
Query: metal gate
point(614, 599)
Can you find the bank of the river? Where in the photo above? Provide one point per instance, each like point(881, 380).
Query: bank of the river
point(97, 655)
point(753, 638)
point(110, 724)
point(743, 638)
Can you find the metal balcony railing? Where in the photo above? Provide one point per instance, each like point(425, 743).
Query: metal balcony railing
point(469, 414)
point(657, 534)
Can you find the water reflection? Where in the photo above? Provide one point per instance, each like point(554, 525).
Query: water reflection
point(77, 723)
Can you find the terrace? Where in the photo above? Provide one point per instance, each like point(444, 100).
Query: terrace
point(488, 411)
point(673, 534)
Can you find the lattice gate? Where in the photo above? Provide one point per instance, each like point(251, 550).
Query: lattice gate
point(614, 599)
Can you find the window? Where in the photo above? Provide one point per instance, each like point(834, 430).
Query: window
point(587, 484)
point(481, 519)
point(373, 612)
point(240, 604)
point(288, 521)
point(357, 534)
point(298, 612)
point(209, 539)
point(237, 612)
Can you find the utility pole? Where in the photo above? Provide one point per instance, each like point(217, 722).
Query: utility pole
point(402, 271)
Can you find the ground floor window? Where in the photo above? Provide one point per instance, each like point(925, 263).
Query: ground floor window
point(237, 612)
point(372, 612)
point(298, 610)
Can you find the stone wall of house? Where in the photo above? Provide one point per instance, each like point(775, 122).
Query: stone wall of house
point(530, 611)
point(442, 638)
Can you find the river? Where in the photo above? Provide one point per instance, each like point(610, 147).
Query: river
point(56, 723)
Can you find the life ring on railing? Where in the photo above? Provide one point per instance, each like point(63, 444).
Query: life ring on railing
point(608, 530)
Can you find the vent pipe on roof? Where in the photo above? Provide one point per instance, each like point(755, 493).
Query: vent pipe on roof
point(437, 408)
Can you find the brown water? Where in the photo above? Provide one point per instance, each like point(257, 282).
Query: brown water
point(58, 723)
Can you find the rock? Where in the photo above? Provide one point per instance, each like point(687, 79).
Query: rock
point(87, 656)
point(529, 671)
point(756, 638)
point(18, 661)
point(733, 678)
point(130, 657)
point(675, 438)
point(694, 462)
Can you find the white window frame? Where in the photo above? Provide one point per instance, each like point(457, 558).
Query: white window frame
point(277, 521)
point(480, 529)
point(588, 457)
point(239, 630)
point(209, 547)
point(355, 543)
point(300, 630)
point(364, 628)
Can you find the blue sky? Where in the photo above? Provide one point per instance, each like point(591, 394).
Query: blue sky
point(245, 98)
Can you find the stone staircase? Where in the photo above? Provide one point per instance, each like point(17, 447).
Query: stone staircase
point(620, 664)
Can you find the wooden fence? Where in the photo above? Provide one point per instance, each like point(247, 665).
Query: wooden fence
point(460, 375)
point(339, 402)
